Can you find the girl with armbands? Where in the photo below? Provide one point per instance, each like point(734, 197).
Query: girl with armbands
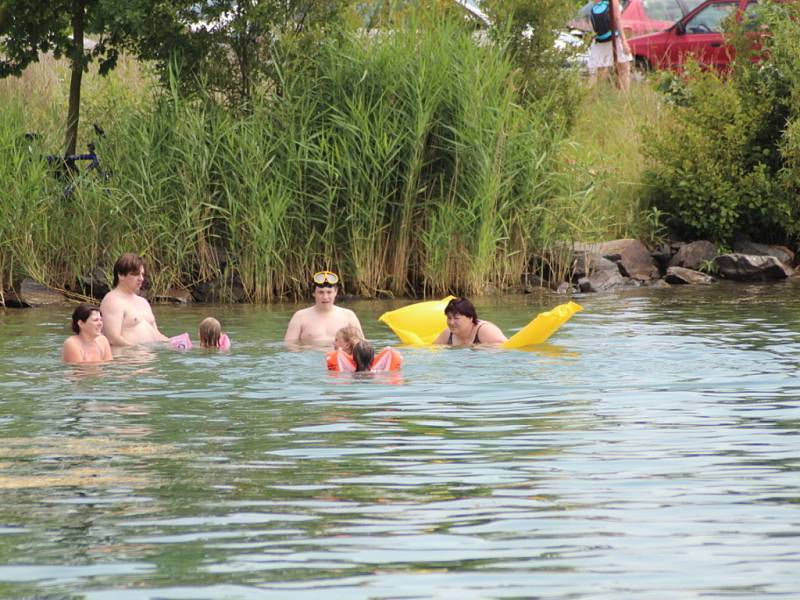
point(352, 353)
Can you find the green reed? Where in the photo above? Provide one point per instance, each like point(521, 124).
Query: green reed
point(405, 161)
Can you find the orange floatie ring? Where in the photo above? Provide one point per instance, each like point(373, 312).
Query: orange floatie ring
point(387, 359)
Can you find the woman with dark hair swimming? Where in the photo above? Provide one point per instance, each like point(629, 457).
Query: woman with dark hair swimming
point(464, 328)
point(88, 344)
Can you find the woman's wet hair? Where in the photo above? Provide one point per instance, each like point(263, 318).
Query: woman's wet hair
point(82, 312)
point(462, 306)
point(210, 332)
point(127, 264)
point(363, 355)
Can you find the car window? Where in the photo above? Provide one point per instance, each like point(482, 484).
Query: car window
point(710, 19)
point(690, 5)
point(662, 10)
point(752, 16)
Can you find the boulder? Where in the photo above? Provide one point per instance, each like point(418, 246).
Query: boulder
point(633, 258)
point(680, 275)
point(660, 284)
point(216, 291)
point(602, 280)
point(748, 267)
point(174, 296)
point(94, 284)
point(28, 292)
point(694, 255)
point(586, 263)
point(782, 253)
point(565, 287)
point(662, 254)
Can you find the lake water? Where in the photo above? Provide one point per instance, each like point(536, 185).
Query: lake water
point(651, 450)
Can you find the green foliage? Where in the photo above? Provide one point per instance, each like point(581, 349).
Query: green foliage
point(530, 28)
point(724, 163)
point(236, 49)
point(401, 160)
point(31, 28)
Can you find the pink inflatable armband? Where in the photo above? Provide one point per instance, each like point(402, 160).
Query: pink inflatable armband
point(181, 342)
point(224, 342)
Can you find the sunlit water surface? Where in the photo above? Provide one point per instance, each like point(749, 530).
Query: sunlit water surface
point(651, 450)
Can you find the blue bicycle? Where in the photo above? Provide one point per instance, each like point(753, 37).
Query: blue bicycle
point(66, 167)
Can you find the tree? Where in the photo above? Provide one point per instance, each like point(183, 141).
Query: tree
point(29, 28)
point(235, 46)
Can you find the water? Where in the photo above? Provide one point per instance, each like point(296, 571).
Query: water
point(650, 451)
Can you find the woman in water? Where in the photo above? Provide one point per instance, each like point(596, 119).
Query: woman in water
point(464, 327)
point(88, 344)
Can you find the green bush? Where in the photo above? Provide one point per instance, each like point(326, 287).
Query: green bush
point(723, 164)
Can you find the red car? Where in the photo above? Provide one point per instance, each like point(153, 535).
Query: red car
point(644, 16)
point(699, 34)
point(640, 16)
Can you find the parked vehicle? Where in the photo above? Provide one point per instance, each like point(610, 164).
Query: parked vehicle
point(642, 16)
point(699, 34)
point(645, 16)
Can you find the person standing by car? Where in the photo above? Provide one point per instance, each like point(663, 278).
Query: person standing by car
point(609, 47)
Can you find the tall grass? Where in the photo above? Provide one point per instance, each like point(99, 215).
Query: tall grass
point(403, 161)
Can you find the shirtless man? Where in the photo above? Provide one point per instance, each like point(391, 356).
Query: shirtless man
point(318, 324)
point(127, 317)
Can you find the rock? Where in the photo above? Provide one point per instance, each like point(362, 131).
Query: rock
point(601, 281)
point(174, 296)
point(660, 284)
point(565, 287)
point(28, 293)
point(693, 256)
point(215, 291)
point(681, 275)
point(94, 284)
point(531, 281)
point(748, 267)
point(633, 258)
point(586, 263)
point(662, 254)
point(782, 253)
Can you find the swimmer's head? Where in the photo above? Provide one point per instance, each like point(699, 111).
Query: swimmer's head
point(210, 332)
point(461, 306)
point(346, 338)
point(82, 313)
point(127, 264)
point(363, 355)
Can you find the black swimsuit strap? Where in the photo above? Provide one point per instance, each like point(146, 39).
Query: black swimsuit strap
point(477, 339)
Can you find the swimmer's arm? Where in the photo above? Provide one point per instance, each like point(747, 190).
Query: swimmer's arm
point(490, 334)
point(294, 329)
point(71, 353)
point(113, 316)
point(442, 337)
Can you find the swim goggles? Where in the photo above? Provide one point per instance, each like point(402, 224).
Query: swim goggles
point(323, 277)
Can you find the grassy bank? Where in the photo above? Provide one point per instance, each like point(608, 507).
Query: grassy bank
point(404, 162)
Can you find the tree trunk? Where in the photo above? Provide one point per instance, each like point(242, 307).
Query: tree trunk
point(77, 61)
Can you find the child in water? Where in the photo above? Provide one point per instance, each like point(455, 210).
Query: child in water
point(353, 353)
point(363, 355)
point(346, 338)
point(211, 335)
